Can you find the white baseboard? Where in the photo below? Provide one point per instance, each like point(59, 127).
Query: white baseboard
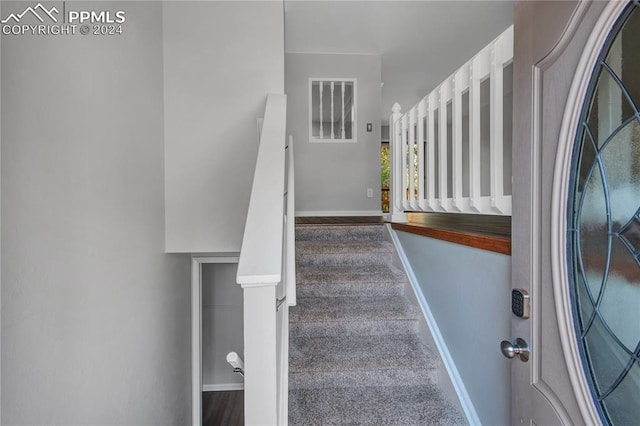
point(339, 213)
point(445, 355)
point(223, 387)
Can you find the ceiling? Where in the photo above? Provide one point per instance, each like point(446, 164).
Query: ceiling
point(420, 42)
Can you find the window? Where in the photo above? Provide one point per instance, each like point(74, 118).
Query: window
point(332, 110)
point(604, 226)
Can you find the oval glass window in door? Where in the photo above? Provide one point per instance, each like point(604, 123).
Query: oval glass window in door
point(604, 226)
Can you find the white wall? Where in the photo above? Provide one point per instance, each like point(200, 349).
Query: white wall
point(95, 317)
point(220, 61)
point(222, 325)
point(469, 294)
point(332, 177)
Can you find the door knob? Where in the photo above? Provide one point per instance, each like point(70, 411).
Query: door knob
point(519, 349)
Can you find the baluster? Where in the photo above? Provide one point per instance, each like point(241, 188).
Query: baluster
point(405, 167)
point(397, 211)
point(456, 149)
point(343, 126)
point(431, 151)
point(321, 122)
point(496, 129)
point(332, 134)
point(474, 135)
point(442, 145)
point(410, 146)
point(422, 107)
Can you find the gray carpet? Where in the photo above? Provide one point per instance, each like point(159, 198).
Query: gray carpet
point(355, 356)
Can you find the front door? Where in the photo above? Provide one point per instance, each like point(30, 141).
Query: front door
point(576, 223)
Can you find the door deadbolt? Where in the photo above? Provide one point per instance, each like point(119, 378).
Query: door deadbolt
point(519, 349)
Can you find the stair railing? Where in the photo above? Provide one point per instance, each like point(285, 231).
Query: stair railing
point(266, 272)
point(450, 151)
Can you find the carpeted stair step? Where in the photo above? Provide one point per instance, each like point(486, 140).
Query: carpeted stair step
point(353, 316)
point(327, 253)
point(402, 405)
point(368, 280)
point(357, 361)
point(340, 232)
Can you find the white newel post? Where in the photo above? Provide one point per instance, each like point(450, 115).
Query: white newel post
point(397, 172)
point(260, 353)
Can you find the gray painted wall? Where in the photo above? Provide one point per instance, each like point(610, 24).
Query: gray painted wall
point(95, 317)
point(222, 324)
point(468, 291)
point(220, 61)
point(334, 177)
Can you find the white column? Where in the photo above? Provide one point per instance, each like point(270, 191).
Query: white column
point(496, 131)
point(321, 118)
point(395, 151)
point(475, 75)
point(422, 110)
point(412, 157)
point(431, 152)
point(332, 133)
point(442, 145)
point(343, 126)
point(404, 125)
point(196, 343)
point(260, 357)
point(459, 83)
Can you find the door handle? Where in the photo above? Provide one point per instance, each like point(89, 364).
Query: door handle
point(519, 349)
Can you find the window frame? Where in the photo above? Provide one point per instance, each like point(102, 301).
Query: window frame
point(354, 108)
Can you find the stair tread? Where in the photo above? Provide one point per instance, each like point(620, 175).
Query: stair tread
point(359, 308)
point(361, 247)
point(392, 405)
point(359, 353)
point(339, 232)
point(331, 274)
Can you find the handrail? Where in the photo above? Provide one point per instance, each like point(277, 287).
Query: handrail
point(261, 255)
point(266, 272)
point(290, 270)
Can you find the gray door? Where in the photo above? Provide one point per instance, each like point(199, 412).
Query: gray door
point(575, 218)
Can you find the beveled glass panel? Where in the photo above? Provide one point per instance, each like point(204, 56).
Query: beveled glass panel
point(586, 303)
point(624, 59)
point(620, 305)
point(619, 158)
point(593, 232)
point(604, 226)
point(607, 113)
point(608, 359)
point(622, 405)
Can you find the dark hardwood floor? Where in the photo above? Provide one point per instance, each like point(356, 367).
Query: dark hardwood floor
point(224, 408)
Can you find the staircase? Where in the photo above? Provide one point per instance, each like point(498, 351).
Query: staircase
point(355, 356)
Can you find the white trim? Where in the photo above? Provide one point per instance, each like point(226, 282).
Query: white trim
point(445, 355)
point(196, 330)
point(560, 191)
point(338, 213)
point(196, 342)
point(221, 387)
